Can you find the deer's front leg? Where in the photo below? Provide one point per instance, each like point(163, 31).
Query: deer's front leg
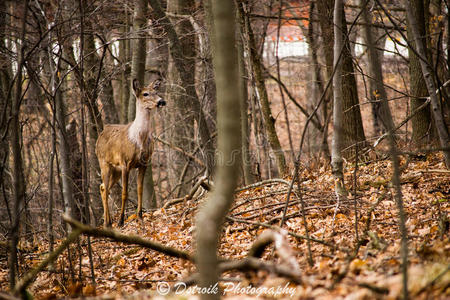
point(104, 192)
point(140, 188)
point(125, 172)
point(104, 195)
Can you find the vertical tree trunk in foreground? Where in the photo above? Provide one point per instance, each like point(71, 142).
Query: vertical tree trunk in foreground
point(212, 214)
point(336, 147)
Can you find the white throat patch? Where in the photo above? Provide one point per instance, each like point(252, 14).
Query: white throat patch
point(139, 130)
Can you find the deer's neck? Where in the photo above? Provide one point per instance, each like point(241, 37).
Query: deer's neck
point(139, 130)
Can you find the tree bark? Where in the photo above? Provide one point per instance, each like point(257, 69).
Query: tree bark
point(138, 49)
point(378, 92)
point(5, 113)
point(423, 132)
point(209, 87)
point(352, 127)
point(246, 157)
point(124, 57)
point(176, 51)
point(178, 99)
point(16, 152)
point(107, 91)
point(269, 121)
point(338, 115)
point(212, 215)
point(427, 72)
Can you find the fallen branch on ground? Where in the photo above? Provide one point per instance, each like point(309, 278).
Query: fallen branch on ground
point(128, 239)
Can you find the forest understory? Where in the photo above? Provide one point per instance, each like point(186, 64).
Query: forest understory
point(342, 267)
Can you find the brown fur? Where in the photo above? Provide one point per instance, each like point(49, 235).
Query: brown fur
point(121, 148)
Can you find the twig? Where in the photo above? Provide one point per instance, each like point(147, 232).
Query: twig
point(193, 157)
point(264, 182)
point(26, 280)
point(297, 236)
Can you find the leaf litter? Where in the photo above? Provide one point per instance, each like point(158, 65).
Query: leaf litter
point(127, 271)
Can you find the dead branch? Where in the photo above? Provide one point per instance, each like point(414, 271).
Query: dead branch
point(189, 196)
point(282, 247)
point(128, 239)
point(252, 264)
point(264, 182)
point(288, 268)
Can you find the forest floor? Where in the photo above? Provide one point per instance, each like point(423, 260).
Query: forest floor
point(337, 270)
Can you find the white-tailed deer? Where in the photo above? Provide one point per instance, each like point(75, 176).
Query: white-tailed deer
point(121, 148)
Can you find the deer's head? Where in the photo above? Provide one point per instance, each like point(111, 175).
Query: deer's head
point(148, 97)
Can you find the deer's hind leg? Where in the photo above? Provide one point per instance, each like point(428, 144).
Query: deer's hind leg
point(125, 172)
point(140, 188)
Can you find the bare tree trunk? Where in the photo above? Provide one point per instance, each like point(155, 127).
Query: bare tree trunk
point(60, 111)
point(338, 118)
point(246, 157)
point(64, 155)
point(76, 168)
point(212, 215)
point(138, 48)
point(325, 11)
point(269, 121)
point(209, 87)
point(376, 73)
point(427, 72)
point(388, 124)
point(352, 127)
point(423, 132)
point(107, 91)
point(17, 167)
point(182, 133)
point(185, 73)
point(124, 57)
point(5, 109)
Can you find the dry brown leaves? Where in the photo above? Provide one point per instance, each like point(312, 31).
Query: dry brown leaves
point(121, 270)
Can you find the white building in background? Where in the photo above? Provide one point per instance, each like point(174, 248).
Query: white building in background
point(292, 44)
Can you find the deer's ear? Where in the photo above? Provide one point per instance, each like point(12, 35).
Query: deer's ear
point(136, 87)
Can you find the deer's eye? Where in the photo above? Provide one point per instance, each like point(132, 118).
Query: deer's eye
point(146, 94)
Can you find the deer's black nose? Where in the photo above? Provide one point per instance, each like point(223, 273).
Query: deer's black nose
point(161, 103)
